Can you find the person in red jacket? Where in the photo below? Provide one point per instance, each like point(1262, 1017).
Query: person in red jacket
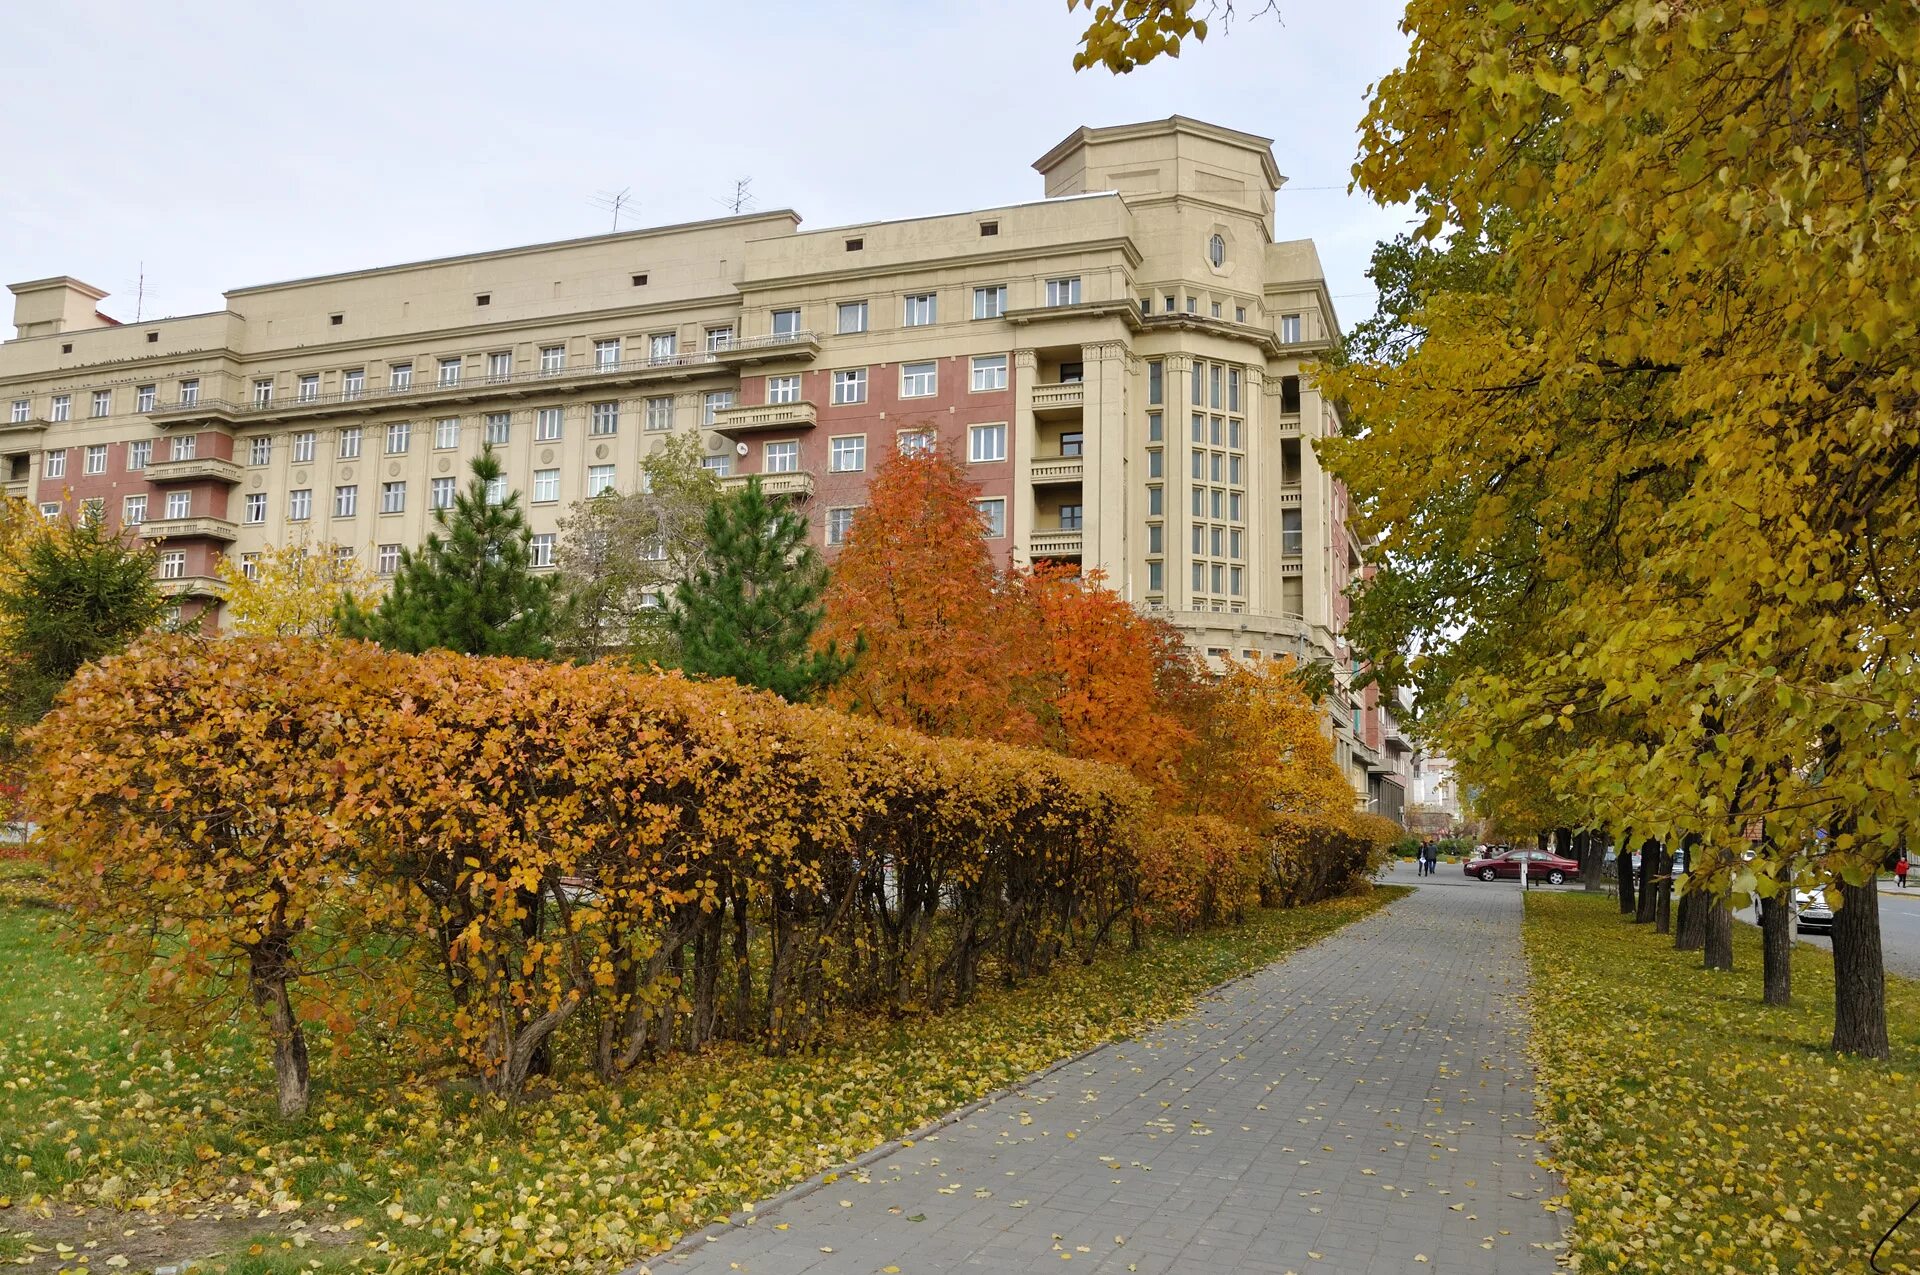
point(1900, 870)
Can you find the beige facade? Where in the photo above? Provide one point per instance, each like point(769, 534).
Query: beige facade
point(1119, 364)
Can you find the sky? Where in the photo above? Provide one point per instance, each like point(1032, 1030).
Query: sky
point(212, 145)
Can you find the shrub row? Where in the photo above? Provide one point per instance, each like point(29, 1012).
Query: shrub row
point(618, 861)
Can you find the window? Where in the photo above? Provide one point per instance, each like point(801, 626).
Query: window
point(839, 522)
point(1233, 470)
point(546, 425)
point(500, 365)
point(847, 454)
point(855, 245)
point(546, 485)
point(1156, 577)
point(348, 442)
point(1063, 291)
point(1170, 306)
point(1289, 329)
point(553, 358)
point(309, 387)
point(262, 393)
point(1291, 533)
point(599, 479)
point(300, 504)
point(1193, 305)
point(303, 447)
point(660, 412)
point(989, 228)
point(640, 280)
point(497, 490)
point(260, 450)
point(781, 458)
point(717, 464)
point(720, 338)
point(1233, 506)
point(786, 322)
point(783, 389)
point(1154, 429)
point(1235, 545)
point(250, 565)
point(133, 511)
point(850, 385)
point(49, 509)
point(662, 346)
point(920, 309)
point(343, 556)
point(139, 454)
point(604, 419)
point(989, 372)
point(1070, 516)
point(354, 383)
point(346, 500)
point(1233, 390)
point(1156, 382)
point(606, 353)
point(450, 371)
point(1199, 502)
point(95, 459)
point(1073, 443)
point(1239, 314)
point(916, 442)
point(1072, 373)
point(54, 466)
point(183, 447)
point(713, 403)
point(1290, 395)
point(103, 402)
point(256, 510)
point(22, 409)
point(1156, 538)
point(189, 393)
point(1200, 586)
point(62, 407)
point(1156, 463)
point(918, 380)
point(393, 498)
point(540, 550)
point(440, 493)
point(1214, 371)
point(1217, 251)
point(400, 376)
point(399, 438)
point(173, 564)
point(852, 317)
point(495, 429)
point(386, 560)
point(986, 443)
point(446, 433)
point(990, 303)
point(483, 298)
point(1216, 310)
point(993, 517)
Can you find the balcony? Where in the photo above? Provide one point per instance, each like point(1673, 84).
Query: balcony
point(1054, 542)
point(32, 425)
point(797, 485)
point(425, 393)
point(1065, 399)
point(192, 587)
point(1290, 495)
point(15, 488)
point(780, 416)
point(193, 469)
point(1287, 425)
point(1049, 470)
point(188, 529)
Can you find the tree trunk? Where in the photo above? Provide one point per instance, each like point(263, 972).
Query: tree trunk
point(1542, 847)
point(1859, 976)
point(1716, 930)
point(1663, 895)
point(742, 967)
point(1776, 949)
point(268, 970)
point(1649, 874)
point(1623, 875)
point(1563, 842)
point(1691, 934)
point(1593, 859)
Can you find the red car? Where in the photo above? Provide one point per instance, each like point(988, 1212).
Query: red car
point(1541, 866)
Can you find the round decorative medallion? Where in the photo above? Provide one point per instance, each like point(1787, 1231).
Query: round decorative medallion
point(300, 477)
point(657, 446)
point(347, 472)
point(546, 456)
point(258, 482)
point(600, 452)
point(715, 443)
point(445, 464)
point(393, 469)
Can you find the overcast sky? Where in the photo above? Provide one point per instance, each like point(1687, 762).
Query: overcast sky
point(228, 144)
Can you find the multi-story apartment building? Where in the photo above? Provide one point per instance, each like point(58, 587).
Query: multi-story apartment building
point(1118, 363)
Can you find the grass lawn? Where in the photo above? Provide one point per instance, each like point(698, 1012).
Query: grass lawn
point(1702, 1131)
point(156, 1153)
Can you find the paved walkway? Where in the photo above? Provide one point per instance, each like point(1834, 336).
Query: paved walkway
point(1362, 1106)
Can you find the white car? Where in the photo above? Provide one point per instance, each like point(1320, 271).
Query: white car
point(1812, 915)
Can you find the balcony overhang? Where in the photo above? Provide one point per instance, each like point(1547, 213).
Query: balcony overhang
point(212, 588)
point(1048, 471)
point(769, 416)
point(1127, 311)
point(189, 529)
point(1063, 400)
point(1054, 543)
point(193, 469)
point(797, 485)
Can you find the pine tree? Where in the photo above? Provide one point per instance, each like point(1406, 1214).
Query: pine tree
point(470, 587)
point(749, 611)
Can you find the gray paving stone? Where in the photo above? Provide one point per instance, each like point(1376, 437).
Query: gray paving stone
point(1363, 1106)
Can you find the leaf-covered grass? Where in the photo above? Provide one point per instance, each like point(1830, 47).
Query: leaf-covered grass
point(1703, 1131)
point(427, 1174)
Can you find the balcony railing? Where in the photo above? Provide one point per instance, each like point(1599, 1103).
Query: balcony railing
point(1292, 566)
point(1065, 397)
point(1290, 495)
point(375, 397)
point(192, 528)
point(1054, 542)
point(1058, 469)
point(192, 587)
point(786, 416)
point(15, 488)
point(193, 469)
point(32, 425)
point(795, 485)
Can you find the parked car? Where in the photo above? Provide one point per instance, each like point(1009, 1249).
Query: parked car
point(1811, 913)
point(1506, 864)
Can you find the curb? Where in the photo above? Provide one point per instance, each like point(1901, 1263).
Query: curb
point(744, 1218)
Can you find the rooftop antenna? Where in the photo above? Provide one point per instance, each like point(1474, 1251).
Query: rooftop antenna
point(139, 287)
point(740, 200)
point(615, 202)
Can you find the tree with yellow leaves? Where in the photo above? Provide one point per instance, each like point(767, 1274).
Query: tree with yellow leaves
point(292, 590)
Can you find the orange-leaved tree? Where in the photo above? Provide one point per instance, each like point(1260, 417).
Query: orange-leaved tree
point(946, 647)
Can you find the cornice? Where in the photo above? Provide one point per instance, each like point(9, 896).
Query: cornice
point(1120, 243)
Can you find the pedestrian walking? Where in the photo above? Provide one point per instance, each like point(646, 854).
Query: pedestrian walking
point(1900, 870)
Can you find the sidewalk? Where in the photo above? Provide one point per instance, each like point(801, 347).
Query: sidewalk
point(1362, 1106)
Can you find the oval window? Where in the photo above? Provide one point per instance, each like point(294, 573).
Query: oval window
point(1217, 250)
